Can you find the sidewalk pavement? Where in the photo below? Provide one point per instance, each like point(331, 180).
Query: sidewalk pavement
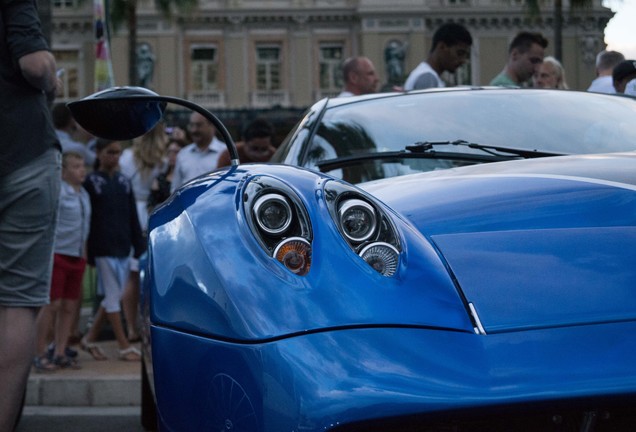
point(105, 383)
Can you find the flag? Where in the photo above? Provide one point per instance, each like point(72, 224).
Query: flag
point(103, 64)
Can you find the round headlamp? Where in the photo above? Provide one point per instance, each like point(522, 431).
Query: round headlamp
point(382, 257)
point(272, 213)
point(357, 219)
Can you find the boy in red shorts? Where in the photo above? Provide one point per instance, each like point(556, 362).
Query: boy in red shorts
point(69, 263)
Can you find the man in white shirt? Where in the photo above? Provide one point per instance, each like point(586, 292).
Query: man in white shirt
point(605, 63)
point(199, 157)
point(450, 49)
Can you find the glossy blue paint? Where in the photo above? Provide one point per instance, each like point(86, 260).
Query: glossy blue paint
point(212, 281)
point(315, 381)
point(545, 278)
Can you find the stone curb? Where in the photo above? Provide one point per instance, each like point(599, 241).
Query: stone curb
point(109, 383)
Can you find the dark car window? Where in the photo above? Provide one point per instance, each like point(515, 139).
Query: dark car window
point(547, 121)
point(551, 121)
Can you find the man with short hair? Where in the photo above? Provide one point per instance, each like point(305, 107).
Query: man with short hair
point(623, 73)
point(360, 77)
point(199, 157)
point(450, 49)
point(525, 55)
point(606, 61)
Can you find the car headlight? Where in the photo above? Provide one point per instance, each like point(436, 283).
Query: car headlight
point(367, 230)
point(357, 220)
point(272, 213)
point(280, 222)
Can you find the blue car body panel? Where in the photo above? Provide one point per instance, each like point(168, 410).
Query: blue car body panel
point(516, 285)
point(321, 380)
point(545, 278)
point(215, 270)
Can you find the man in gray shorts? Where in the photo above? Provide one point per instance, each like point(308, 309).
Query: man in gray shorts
point(29, 190)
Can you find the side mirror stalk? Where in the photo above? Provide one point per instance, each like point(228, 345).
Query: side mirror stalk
point(124, 113)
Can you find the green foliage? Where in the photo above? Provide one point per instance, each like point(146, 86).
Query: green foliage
point(120, 9)
point(184, 7)
point(118, 12)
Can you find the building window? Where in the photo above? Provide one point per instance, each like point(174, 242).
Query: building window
point(330, 58)
point(268, 68)
point(67, 62)
point(205, 68)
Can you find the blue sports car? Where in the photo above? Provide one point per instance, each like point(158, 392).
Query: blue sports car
point(391, 296)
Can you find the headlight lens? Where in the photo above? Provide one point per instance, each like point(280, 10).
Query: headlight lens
point(272, 213)
point(279, 222)
point(358, 220)
point(382, 257)
point(295, 254)
point(365, 226)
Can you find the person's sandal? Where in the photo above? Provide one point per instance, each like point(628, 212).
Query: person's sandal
point(68, 351)
point(65, 362)
point(43, 365)
point(130, 354)
point(93, 349)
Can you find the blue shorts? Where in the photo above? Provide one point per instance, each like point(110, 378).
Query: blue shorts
point(28, 215)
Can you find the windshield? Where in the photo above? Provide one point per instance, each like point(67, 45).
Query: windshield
point(566, 122)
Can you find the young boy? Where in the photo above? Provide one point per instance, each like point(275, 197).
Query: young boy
point(69, 263)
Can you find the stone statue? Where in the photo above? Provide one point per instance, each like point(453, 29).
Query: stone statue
point(145, 64)
point(394, 54)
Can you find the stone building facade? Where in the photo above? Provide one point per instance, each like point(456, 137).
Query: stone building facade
point(246, 54)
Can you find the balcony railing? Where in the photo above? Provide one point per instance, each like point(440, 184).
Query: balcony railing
point(208, 99)
point(268, 99)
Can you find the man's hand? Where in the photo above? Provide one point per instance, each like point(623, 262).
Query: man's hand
point(38, 68)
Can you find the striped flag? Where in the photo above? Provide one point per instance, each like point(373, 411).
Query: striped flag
point(103, 64)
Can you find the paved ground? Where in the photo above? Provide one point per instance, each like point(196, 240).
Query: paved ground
point(100, 396)
point(111, 382)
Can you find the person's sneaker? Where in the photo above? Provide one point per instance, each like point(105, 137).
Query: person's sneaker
point(68, 352)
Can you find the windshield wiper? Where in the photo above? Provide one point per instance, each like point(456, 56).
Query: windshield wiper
point(426, 149)
point(427, 146)
point(327, 165)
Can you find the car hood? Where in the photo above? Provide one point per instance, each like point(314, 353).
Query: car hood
point(532, 244)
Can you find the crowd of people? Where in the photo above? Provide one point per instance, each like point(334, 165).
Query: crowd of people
point(526, 66)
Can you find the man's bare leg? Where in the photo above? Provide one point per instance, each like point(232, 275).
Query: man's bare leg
point(17, 347)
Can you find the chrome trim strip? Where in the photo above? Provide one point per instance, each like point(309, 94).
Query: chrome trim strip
point(480, 328)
